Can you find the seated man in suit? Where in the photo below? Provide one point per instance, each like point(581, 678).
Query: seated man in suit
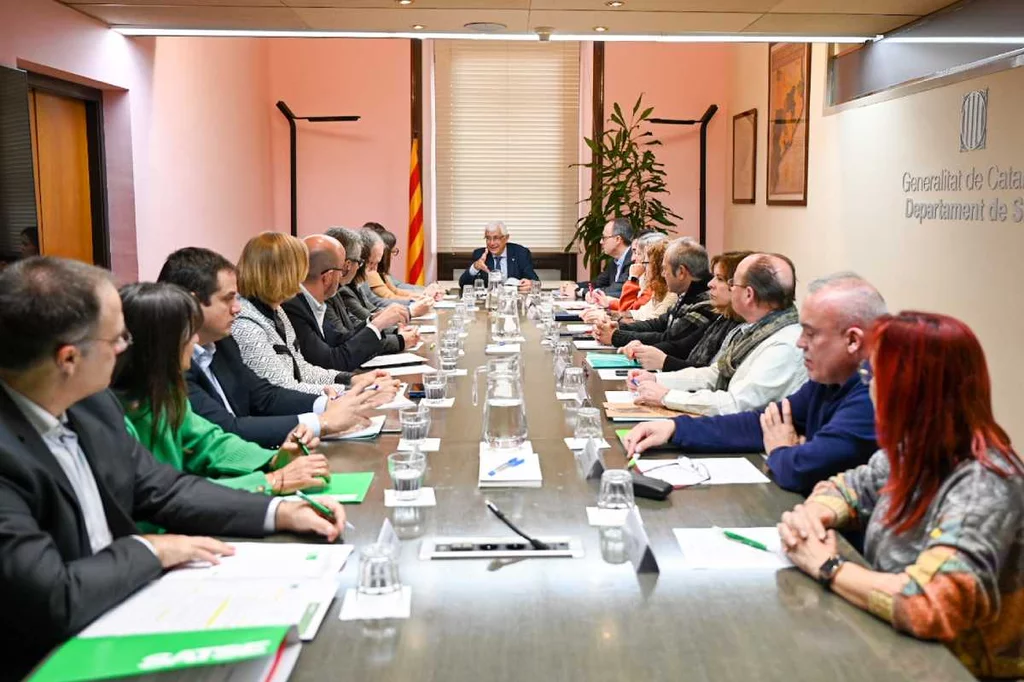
point(616, 241)
point(318, 339)
point(511, 259)
point(73, 482)
point(221, 387)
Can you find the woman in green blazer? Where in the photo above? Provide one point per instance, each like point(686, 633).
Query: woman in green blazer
point(162, 320)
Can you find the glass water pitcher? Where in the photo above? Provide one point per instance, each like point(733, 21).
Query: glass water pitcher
point(504, 424)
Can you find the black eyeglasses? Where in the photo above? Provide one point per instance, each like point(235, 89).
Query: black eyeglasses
point(354, 261)
point(866, 372)
point(733, 283)
point(324, 272)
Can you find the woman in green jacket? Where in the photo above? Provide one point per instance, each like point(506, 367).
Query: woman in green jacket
point(162, 320)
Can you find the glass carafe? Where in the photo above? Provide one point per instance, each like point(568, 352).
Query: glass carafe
point(506, 324)
point(505, 363)
point(504, 425)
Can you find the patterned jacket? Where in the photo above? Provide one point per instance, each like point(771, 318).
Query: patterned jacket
point(688, 317)
point(278, 360)
point(963, 565)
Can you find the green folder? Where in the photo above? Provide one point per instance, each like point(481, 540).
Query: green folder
point(348, 487)
point(610, 361)
point(656, 450)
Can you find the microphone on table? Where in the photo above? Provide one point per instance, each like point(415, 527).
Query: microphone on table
point(537, 544)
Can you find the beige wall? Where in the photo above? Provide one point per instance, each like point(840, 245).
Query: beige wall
point(855, 217)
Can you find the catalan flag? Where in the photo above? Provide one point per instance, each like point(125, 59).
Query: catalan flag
point(414, 264)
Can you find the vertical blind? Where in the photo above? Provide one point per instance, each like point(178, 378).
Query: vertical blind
point(507, 126)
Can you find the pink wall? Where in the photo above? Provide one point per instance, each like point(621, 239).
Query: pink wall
point(208, 145)
point(680, 81)
point(349, 173)
point(49, 38)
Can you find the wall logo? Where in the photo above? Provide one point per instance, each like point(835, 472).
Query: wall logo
point(974, 121)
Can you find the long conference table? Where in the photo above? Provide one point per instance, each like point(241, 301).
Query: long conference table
point(587, 619)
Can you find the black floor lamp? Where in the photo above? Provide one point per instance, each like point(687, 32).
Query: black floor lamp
point(292, 118)
point(703, 122)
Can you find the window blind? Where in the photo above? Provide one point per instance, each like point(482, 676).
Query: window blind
point(507, 127)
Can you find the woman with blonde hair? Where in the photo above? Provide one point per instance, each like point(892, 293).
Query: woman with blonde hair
point(661, 300)
point(270, 269)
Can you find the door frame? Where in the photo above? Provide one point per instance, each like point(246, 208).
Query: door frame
point(93, 99)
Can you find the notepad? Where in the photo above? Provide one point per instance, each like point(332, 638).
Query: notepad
point(525, 475)
point(578, 328)
point(610, 375)
point(618, 396)
point(591, 344)
point(610, 361)
point(628, 412)
point(413, 369)
point(371, 431)
point(393, 360)
point(346, 487)
point(401, 400)
point(708, 548)
point(702, 471)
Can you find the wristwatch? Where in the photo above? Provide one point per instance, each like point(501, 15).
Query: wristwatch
point(634, 279)
point(828, 570)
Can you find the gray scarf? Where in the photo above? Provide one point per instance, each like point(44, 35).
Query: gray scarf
point(749, 339)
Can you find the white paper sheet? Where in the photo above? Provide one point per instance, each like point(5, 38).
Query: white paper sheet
point(432, 315)
point(606, 517)
point(439, 404)
point(618, 396)
point(376, 607)
point(376, 424)
point(577, 328)
point(722, 471)
point(525, 475)
point(392, 360)
point(708, 548)
point(428, 445)
point(591, 345)
point(401, 400)
point(407, 371)
point(292, 561)
point(426, 498)
point(579, 443)
point(427, 329)
point(503, 349)
point(609, 375)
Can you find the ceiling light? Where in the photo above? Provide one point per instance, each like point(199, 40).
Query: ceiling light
point(957, 40)
point(404, 2)
point(418, 27)
point(600, 29)
point(615, 3)
point(709, 38)
point(485, 26)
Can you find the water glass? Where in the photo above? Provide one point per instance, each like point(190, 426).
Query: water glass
point(415, 424)
point(616, 490)
point(406, 471)
point(480, 288)
point(588, 423)
point(449, 358)
point(435, 386)
point(461, 314)
point(378, 570)
point(552, 333)
point(573, 380)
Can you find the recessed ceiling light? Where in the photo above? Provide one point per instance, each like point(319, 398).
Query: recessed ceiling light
point(485, 26)
point(418, 27)
point(404, 2)
point(615, 3)
point(600, 29)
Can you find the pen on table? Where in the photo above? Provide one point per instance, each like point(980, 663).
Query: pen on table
point(302, 446)
point(320, 509)
point(514, 462)
point(633, 460)
point(736, 537)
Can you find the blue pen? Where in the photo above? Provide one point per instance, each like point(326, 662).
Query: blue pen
point(514, 462)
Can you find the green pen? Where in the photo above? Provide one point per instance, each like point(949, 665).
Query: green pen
point(317, 507)
point(744, 540)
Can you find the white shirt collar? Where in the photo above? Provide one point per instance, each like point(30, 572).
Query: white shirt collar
point(316, 305)
point(41, 420)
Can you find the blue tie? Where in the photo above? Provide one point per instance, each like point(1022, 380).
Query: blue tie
point(497, 263)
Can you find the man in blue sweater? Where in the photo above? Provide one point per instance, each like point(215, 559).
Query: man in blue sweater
point(828, 425)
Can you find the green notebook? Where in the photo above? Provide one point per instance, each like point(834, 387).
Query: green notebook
point(348, 487)
point(658, 449)
point(610, 361)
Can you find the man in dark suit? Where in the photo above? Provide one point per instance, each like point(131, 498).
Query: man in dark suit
point(221, 387)
point(616, 243)
point(511, 259)
point(318, 340)
point(73, 482)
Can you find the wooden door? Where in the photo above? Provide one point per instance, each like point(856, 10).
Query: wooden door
point(60, 149)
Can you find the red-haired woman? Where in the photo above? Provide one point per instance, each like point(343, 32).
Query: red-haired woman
point(941, 504)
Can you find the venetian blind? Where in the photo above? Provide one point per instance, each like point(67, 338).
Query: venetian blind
point(507, 127)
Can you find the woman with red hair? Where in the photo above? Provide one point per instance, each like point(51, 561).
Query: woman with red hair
point(941, 504)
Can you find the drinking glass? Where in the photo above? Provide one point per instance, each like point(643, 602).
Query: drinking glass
point(415, 424)
point(378, 570)
point(572, 381)
point(406, 471)
point(435, 386)
point(480, 288)
point(449, 358)
point(616, 490)
point(588, 423)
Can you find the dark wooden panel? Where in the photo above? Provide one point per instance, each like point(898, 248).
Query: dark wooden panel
point(565, 263)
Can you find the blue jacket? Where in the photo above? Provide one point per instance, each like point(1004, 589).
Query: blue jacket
point(837, 420)
point(519, 264)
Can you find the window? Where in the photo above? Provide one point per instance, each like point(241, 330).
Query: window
point(507, 129)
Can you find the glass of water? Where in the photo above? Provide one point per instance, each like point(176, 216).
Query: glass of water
point(415, 424)
point(616, 490)
point(378, 570)
point(435, 386)
point(573, 380)
point(449, 358)
point(588, 423)
point(480, 288)
point(406, 471)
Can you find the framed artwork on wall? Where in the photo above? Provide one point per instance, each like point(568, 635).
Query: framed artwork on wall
point(744, 157)
point(789, 90)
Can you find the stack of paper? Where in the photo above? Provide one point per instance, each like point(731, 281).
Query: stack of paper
point(525, 473)
point(704, 471)
point(709, 548)
point(628, 412)
point(401, 401)
point(371, 431)
point(393, 360)
point(591, 344)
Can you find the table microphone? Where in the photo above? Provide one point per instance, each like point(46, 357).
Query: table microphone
point(537, 544)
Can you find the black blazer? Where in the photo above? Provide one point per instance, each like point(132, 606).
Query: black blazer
point(520, 264)
point(606, 281)
point(329, 348)
point(51, 584)
point(350, 303)
point(264, 413)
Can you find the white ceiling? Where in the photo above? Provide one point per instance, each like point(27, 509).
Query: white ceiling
point(666, 17)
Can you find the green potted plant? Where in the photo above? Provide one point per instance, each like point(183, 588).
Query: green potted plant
point(628, 182)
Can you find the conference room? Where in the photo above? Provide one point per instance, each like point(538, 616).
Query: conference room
point(553, 339)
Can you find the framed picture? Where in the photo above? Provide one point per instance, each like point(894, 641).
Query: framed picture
point(744, 157)
point(789, 89)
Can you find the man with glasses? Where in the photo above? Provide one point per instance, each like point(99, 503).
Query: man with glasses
point(73, 482)
point(510, 259)
point(616, 241)
point(828, 425)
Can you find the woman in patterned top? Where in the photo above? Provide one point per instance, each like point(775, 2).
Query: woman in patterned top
point(941, 504)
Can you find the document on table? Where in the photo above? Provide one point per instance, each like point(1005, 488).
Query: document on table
point(709, 548)
point(618, 396)
point(702, 471)
point(371, 431)
point(291, 561)
point(612, 374)
point(393, 360)
point(578, 328)
point(591, 344)
point(401, 400)
point(406, 371)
